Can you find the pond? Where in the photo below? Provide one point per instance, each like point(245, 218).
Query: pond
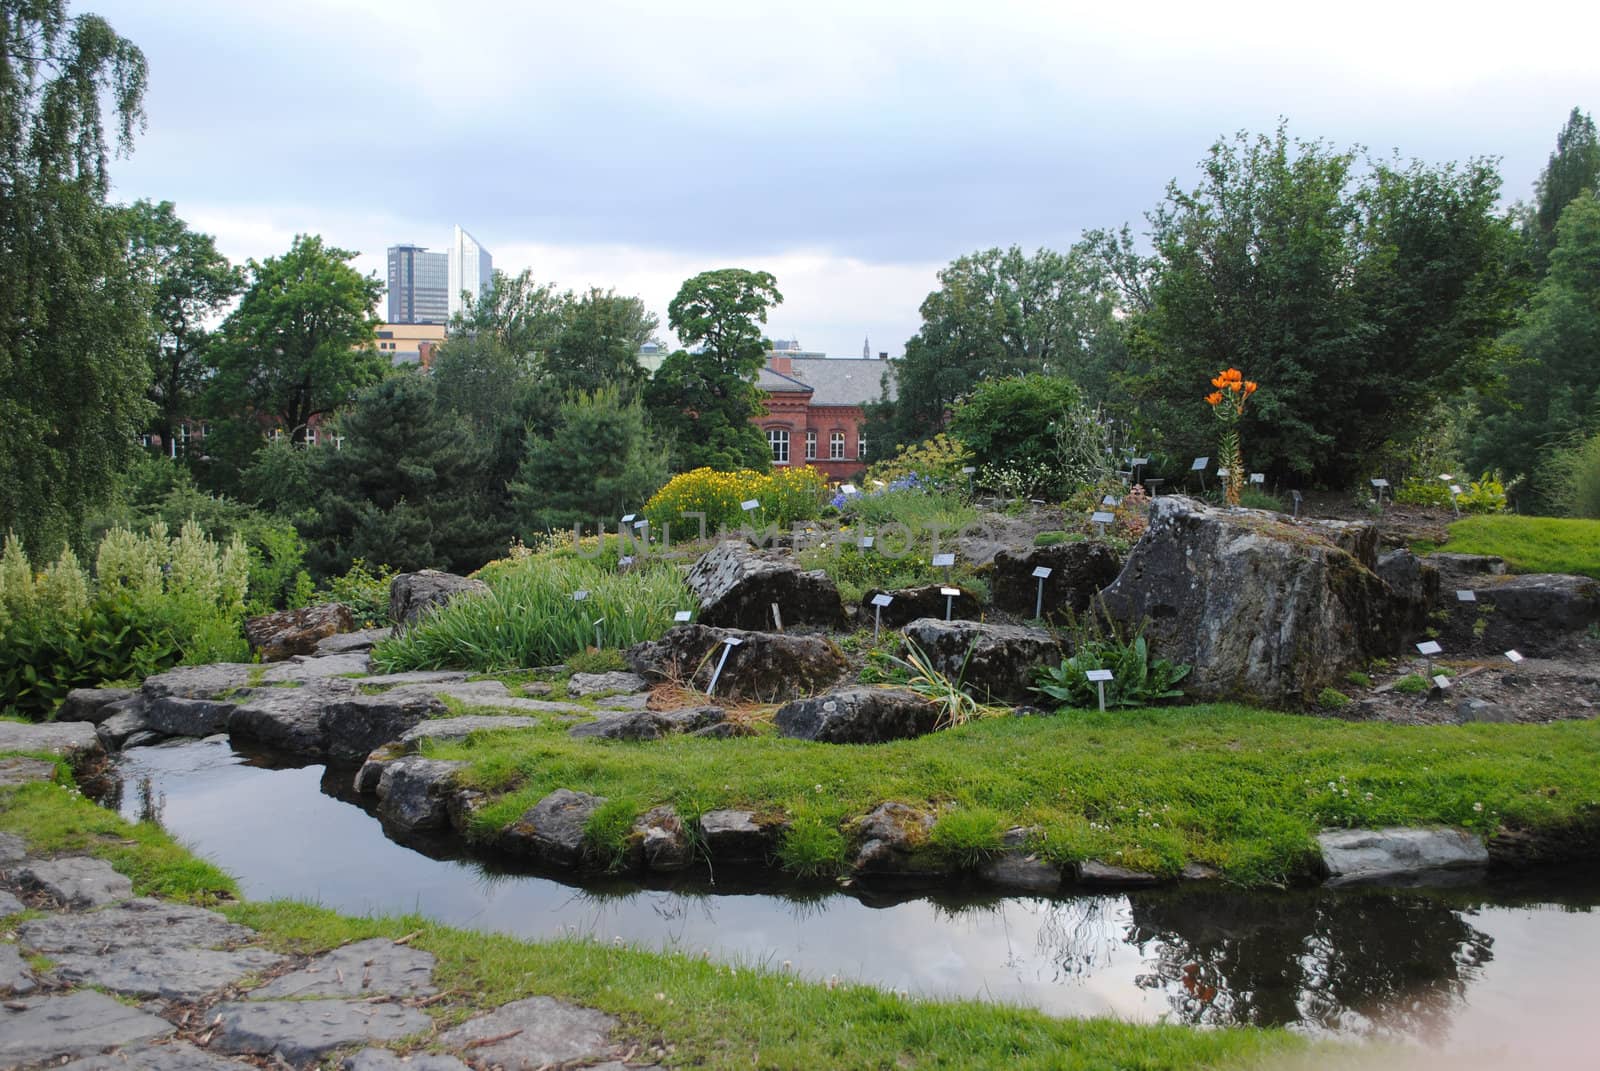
point(1464, 966)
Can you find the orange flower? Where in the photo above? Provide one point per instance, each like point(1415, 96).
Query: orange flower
point(1220, 381)
point(1214, 398)
point(1250, 386)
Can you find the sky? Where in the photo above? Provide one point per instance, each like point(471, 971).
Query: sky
point(851, 149)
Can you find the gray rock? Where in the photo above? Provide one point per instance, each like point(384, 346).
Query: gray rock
point(552, 830)
point(765, 666)
point(454, 730)
point(485, 691)
point(663, 842)
point(289, 719)
point(18, 770)
point(165, 972)
point(301, 1031)
point(861, 715)
point(286, 633)
point(622, 725)
point(142, 738)
point(121, 720)
point(200, 682)
point(415, 677)
point(414, 792)
point(736, 837)
point(351, 642)
point(1096, 874)
point(15, 977)
point(693, 720)
point(997, 662)
point(1199, 872)
point(384, 1060)
point(602, 683)
point(140, 923)
point(911, 603)
point(74, 741)
point(75, 881)
point(1021, 872)
point(361, 969)
point(1356, 856)
point(173, 1056)
point(1265, 609)
point(36, 1029)
point(1536, 611)
point(1414, 590)
point(635, 701)
point(723, 730)
point(891, 841)
point(89, 704)
point(737, 585)
point(1457, 567)
point(1078, 572)
point(328, 669)
point(12, 847)
point(1481, 710)
point(411, 595)
point(176, 716)
point(328, 722)
point(9, 904)
point(543, 1033)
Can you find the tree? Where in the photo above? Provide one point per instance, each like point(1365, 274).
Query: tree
point(601, 458)
point(189, 282)
point(300, 344)
point(599, 343)
point(72, 314)
point(1355, 300)
point(405, 489)
point(522, 316)
point(1572, 168)
point(706, 396)
point(1550, 391)
point(1013, 420)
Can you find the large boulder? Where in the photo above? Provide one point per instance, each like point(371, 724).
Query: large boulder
point(552, 831)
point(737, 586)
point(330, 723)
point(1265, 609)
point(1397, 855)
point(998, 663)
point(414, 792)
point(765, 666)
point(647, 724)
point(1414, 590)
point(176, 716)
point(1078, 572)
point(91, 704)
point(1535, 612)
point(926, 601)
point(201, 682)
point(279, 635)
point(858, 716)
point(413, 594)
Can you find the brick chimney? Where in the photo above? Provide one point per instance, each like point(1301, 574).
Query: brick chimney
point(781, 364)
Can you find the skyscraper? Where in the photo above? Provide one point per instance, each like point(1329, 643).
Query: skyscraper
point(471, 268)
point(419, 285)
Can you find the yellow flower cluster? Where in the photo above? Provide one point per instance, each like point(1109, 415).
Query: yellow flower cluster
point(786, 495)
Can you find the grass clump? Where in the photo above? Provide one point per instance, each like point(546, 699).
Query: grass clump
point(608, 830)
point(1412, 684)
point(529, 616)
point(1358, 679)
point(898, 560)
point(969, 836)
point(812, 846)
point(1528, 544)
point(1332, 699)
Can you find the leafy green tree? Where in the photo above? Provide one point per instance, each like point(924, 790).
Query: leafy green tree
point(1572, 168)
point(706, 396)
point(190, 282)
point(1550, 391)
point(72, 314)
point(524, 317)
point(599, 343)
point(1355, 301)
point(300, 344)
point(405, 489)
point(601, 459)
point(1013, 419)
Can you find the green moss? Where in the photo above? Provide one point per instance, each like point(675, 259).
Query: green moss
point(1358, 679)
point(1332, 699)
point(1412, 684)
point(1528, 544)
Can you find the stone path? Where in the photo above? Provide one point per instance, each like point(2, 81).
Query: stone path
point(180, 988)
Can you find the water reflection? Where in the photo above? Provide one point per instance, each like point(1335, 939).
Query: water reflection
point(1356, 962)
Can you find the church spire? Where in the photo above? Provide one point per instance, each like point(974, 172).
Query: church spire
point(866, 349)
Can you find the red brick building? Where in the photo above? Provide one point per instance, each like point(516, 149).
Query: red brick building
point(815, 411)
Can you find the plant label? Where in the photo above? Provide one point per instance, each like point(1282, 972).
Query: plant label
point(1223, 473)
point(1043, 572)
point(1466, 595)
point(627, 518)
point(1380, 483)
point(1455, 489)
point(944, 561)
point(1111, 500)
point(848, 488)
point(1200, 464)
point(968, 470)
point(866, 543)
point(625, 561)
point(949, 593)
point(1429, 647)
point(1446, 477)
point(1099, 675)
point(1138, 462)
point(750, 504)
point(640, 524)
point(1258, 477)
point(1441, 681)
point(732, 641)
point(579, 595)
point(681, 616)
point(1514, 656)
point(879, 483)
point(1102, 517)
point(882, 599)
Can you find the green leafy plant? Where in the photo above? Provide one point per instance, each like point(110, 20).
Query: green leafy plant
point(1137, 678)
point(956, 707)
point(1332, 699)
point(1358, 679)
point(365, 592)
point(1412, 684)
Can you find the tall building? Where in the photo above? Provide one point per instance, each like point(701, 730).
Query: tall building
point(419, 285)
point(471, 269)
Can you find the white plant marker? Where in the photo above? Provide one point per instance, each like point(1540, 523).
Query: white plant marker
point(1258, 478)
point(1100, 676)
point(580, 595)
point(1429, 648)
point(1297, 497)
point(1514, 656)
point(1441, 681)
point(777, 618)
point(944, 561)
point(949, 600)
point(848, 489)
point(728, 644)
point(879, 601)
point(682, 616)
point(866, 542)
point(627, 518)
point(1199, 465)
point(1041, 573)
point(1466, 595)
point(597, 624)
point(1100, 518)
point(750, 505)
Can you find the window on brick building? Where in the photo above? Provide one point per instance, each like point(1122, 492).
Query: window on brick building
point(778, 441)
point(811, 445)
point(836, 446)
point(861, 447)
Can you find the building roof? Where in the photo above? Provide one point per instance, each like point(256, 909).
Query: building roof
point(833, 380)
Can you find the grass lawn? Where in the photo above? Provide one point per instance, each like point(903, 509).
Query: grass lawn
point(703, 1014)
point(1240, 789)
point(1528, 544)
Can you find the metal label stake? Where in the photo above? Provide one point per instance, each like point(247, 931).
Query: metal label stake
point(949, 600)
point(728, 644)
point(777, 618)
point(597, 624)
point(879, 601)
point(1100, 519)
point(1041, 573)
point(1429, 648)
point(1100, 676)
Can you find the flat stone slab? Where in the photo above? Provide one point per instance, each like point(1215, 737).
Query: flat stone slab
point(316, 669)
point(12, 847)
point(168, 973)
point(543, 1032)
point(66, 738)
point(415, 676)
point(76, 881)
point(1354, 856)
point(362, 969)
point(9, 904)
point(200, 682)
point(345, 642)
point(597, 683)
point(17, 770)
point(451, 730)
point(141, 923)
point(529, 706)
point(1023, 872)
point(15, 977)
point(384, 1060)
point(635, 701)
point(301, 1031)
point(171, 1056)
point(36, 1029)
point(1097, 874)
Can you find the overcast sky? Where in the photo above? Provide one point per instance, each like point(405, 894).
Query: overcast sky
point(849, 148)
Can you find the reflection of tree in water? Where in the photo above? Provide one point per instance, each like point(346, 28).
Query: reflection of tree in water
point(151, 802)
point(1354, 962)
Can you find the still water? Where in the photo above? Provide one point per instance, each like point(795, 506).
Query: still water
point(1468, 968)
